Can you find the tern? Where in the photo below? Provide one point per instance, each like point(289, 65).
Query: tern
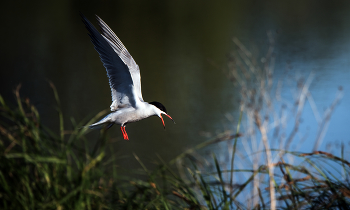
point(124, 80)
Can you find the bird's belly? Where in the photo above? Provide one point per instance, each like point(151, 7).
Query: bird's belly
point(125, 117)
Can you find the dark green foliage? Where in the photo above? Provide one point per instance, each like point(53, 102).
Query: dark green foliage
point(40, 169)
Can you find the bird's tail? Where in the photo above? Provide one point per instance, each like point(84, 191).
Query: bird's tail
point(104, 123)
point(101, 126)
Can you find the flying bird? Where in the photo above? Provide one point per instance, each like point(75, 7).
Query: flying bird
point(124, 80)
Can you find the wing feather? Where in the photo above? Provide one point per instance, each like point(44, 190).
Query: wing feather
point(120, 80)
point(123, 53)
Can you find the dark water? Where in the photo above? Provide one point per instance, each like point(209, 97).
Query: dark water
point(181, 49)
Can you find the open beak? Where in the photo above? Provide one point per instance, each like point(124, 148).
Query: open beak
point(163, 120)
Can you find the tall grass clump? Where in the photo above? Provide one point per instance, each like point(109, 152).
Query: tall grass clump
point(41, 169)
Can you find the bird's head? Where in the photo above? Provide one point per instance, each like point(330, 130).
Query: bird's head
point(159, 110)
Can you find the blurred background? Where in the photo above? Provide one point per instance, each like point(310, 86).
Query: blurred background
point(182, 49)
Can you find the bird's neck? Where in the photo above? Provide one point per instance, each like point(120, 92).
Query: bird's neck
point(145, 109)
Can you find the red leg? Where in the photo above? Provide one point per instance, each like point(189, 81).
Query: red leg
point(126, 135)
point(122, 128)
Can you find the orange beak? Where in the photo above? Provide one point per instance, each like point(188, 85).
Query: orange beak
point(163, 120)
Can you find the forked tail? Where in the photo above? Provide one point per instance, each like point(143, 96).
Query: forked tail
point(104, 123)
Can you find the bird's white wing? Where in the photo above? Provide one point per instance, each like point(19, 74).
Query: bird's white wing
point(123, 53)
point(120, 79)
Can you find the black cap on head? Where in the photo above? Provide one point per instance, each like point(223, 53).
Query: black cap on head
point(158, 105)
